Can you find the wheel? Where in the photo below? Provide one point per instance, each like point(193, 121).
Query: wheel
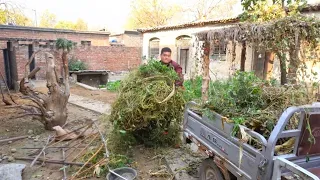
point(210, 171)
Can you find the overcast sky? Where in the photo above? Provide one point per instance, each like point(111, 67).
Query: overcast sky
point(97, 13)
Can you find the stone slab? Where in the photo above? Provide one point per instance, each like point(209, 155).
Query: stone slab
point(11, 171)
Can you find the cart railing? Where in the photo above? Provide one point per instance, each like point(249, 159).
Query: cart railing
point(280, 163)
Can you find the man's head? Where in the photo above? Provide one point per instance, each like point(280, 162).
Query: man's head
point(165, 55)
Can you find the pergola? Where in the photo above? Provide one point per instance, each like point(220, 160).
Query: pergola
point(279, 37)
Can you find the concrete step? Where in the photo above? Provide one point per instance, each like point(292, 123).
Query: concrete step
point(90, 104)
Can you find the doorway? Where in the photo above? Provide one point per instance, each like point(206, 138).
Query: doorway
point(184, 58)
point(10, 67)
point(7, 69)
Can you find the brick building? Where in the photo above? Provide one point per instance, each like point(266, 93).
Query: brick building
point(185, 50)
point(17, 44)
point(127, 38)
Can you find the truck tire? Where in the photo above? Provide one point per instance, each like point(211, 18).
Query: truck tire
point(210, 171)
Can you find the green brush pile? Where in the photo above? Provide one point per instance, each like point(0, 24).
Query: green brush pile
point(255, 103)
point(149, 108)
point(247, 100)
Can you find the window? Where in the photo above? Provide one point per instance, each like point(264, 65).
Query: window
point(86, 43)
point(154, 48)
point(219, 51)
point(183, 41)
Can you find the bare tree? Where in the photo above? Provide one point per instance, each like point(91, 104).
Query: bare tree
point(51, 108)
point(11, 12)
point(151, 13)
point(210, 9)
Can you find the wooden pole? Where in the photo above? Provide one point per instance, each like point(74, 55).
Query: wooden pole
point(233, 58)
point(268, 65)
point(13, 139)
point(243, 56)
point(53, 161)
point(206, 70)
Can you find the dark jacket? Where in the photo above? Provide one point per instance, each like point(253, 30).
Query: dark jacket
point(178, 70)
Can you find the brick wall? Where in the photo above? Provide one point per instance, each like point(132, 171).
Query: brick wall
point(113, 58)
point(97, 58)
point(96, 38)
point(132, 40)
point(129, 40)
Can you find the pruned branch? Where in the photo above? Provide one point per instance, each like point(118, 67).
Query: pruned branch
point(42, 151)
point(3, 99)
point(4, 81)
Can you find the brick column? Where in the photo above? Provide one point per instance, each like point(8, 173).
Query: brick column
point(13, 47)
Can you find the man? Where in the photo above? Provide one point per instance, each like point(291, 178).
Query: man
point(165, 57)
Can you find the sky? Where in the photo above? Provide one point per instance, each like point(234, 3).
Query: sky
point(97, 13)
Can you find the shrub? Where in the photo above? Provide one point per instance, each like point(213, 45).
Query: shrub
point(76, 65)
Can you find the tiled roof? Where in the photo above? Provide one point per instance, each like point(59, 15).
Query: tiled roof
point(191, 24)
point(27, 28)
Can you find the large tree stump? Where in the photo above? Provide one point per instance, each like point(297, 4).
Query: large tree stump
point(51, 108)
point(58, 96)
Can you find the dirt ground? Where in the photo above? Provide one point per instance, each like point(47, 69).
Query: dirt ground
point(143, 159)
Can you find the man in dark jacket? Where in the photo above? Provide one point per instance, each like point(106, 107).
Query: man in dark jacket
point(165, 57)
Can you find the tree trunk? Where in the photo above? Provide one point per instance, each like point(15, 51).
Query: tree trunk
point(233, 59)
point(268, 65)
point(243, 56)
point(294, 61)
point(50, 109)
point(283, 67)
point(206, 69)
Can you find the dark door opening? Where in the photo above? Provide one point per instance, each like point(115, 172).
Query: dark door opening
point(7, 68)
point(10, 67)
point(184, 57)
point(32, 64)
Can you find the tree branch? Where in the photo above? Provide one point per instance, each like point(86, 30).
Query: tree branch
point(56, 74)
point(33, 72)
point(26, 72)
point(66, 72)
point(4, 81)
point(38, 102)
point(50, 74)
